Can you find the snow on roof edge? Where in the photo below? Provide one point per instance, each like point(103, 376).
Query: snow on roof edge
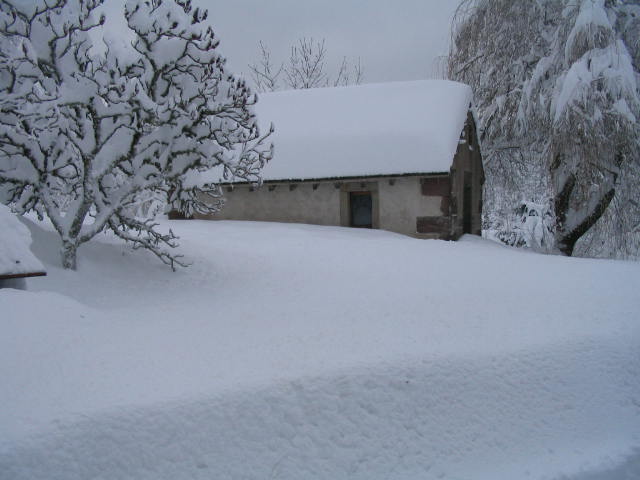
point(328, 179)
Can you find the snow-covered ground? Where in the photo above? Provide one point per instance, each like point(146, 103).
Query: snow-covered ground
point(303, 352)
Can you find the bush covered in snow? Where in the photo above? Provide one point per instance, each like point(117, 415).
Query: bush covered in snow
point(533, 228)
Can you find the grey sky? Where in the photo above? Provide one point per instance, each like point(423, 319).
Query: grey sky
point(396, 40)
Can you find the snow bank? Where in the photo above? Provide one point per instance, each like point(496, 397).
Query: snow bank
point(374, 129)
point(15, 255)
point(293, 351)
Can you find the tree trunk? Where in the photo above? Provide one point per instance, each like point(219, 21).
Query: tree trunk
point(567, 242)
point(69, 253)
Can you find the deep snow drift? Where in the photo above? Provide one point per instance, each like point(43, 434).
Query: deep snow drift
point(302, 352)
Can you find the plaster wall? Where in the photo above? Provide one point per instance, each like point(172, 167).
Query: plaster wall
point(302, 204)
point(401, 204)
point(397, 202)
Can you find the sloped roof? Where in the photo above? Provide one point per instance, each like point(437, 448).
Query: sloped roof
point(374, 129)
point(15, 256)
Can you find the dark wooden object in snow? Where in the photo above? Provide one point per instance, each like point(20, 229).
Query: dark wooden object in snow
point(11, 276)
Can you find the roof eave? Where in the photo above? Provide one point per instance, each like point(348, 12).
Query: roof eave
point(340, 178)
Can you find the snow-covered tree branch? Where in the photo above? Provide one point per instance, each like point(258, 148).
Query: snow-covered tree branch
point(557, 89)
point(85, 134)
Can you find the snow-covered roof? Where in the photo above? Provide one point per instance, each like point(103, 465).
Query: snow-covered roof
point(374, 129)
point(15, 256)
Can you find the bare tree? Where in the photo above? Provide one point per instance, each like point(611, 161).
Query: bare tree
point(305, 68)
point(439, 67)
point(344, 77)
point(264, 74)
point(358, 73)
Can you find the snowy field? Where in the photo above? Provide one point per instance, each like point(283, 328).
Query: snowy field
point(301, 352)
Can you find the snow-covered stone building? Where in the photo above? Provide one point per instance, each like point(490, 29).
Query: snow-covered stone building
point(402, 157)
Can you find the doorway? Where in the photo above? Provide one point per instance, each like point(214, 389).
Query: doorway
point(360, 209)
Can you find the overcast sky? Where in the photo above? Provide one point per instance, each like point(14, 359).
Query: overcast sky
point(395, 39)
